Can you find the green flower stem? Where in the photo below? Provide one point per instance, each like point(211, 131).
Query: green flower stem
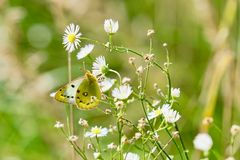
point(158, 144)
point(119, 76)
point(98, 144)
point(164, 148)
point(75, 146)
point(181, 140)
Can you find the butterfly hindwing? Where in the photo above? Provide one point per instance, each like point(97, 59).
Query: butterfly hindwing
point(88, 93)
point(66, 94)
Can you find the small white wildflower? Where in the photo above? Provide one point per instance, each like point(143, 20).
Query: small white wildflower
point(203, 142)
point(131, 156)
point(73, 138)
point(230, 158)
point(235, 129)
point(96, 155)
point(110, 26)
point(100, 67)
point(58, 125)
point(112, 146)
point(84, 51)
point(71, 37)
point(123, 92)
point(97, 132)
point(139, 70)
point(125, 80)
point(150, 32)
point(169, 114)
point(164, 44)
point(83, 122)
point(154, 113)
point(107, 84)
point(175, 92)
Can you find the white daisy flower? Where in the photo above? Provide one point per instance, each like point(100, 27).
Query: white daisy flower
point(107, 84)
point(169, 114)
point(154, 113)
point(97, 132)
point(100, 67)
point(131, 156)
point(203, 142)
point(175, 92)
point(110, 26)
point(71, 37)
point(123, 92)
point(73, 138)
point(58, 125)
point(84, 51)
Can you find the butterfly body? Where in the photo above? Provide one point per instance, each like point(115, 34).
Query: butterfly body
point(83, 92)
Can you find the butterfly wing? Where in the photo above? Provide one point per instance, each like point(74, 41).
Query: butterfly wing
point(88, 93)
point(66, 94)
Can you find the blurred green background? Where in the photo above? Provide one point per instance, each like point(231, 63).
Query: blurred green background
point(203, 40)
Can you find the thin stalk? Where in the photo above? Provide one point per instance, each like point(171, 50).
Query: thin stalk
point(70, 106)
point(119, 76)
point(158, 144)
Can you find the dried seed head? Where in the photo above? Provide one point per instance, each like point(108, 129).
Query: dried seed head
point(131, 60)
point(175, 134)
point(119, 104)
point(155, 86)
point(83, 123)
point(148, 57)
point(108, 111)
point(137, 135)
point(235, 129)
point(139, 70)
point(141, 123)
point(207, 121)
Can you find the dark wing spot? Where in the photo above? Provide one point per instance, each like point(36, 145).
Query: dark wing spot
point(72, 86)
point(78, 91)
point(68, 96)
point(78, 98)
point(85, 94)
point(72, 96)
point(80, 101)
point(60, 89)
point(88, 103)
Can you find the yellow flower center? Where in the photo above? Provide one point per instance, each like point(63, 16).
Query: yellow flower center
point(158, 112)
point(96, 130)
point(71, 38)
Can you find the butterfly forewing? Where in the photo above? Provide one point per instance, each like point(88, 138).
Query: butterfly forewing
point(67, 93)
